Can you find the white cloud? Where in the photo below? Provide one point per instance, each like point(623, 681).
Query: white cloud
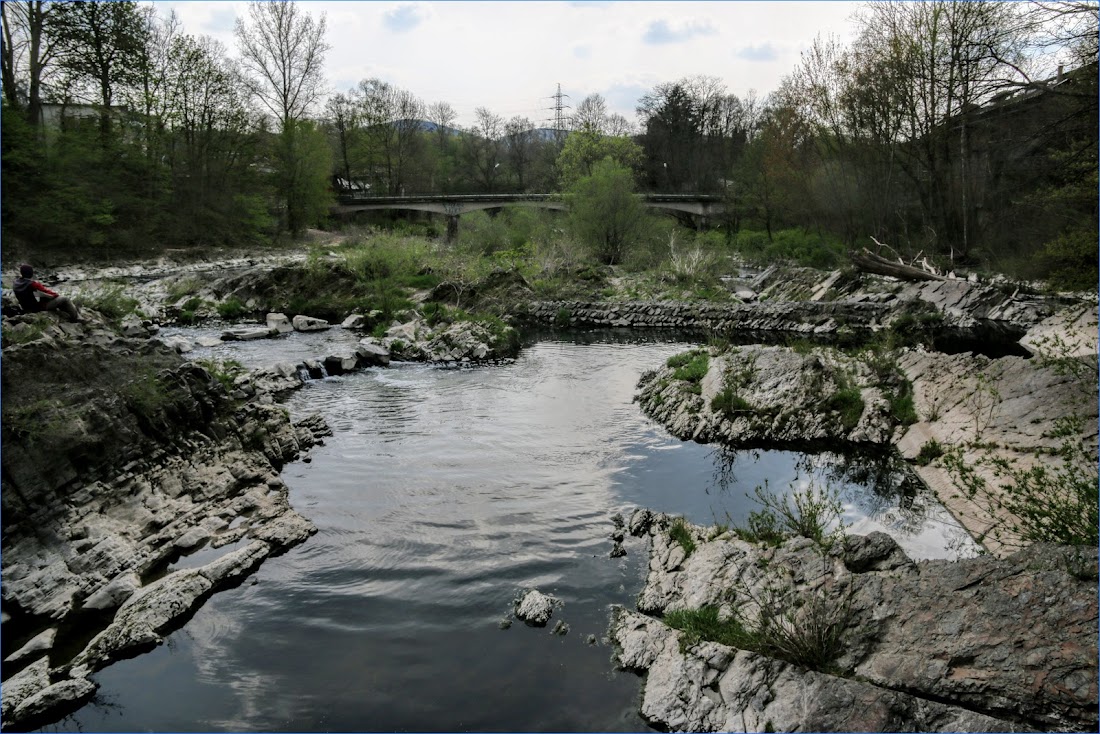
point(661, 31)
point(510, 56)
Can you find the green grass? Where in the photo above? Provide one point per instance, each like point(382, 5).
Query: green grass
point(680, 533)
point(848, 403)
point(929, 452)
point(729, 403)
point(704, 624)
point(112, 302)
point(690, 366)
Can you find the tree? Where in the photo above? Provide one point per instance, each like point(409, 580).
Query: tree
point(584, 149)
point(604, 211)
point(519, 144)
point(391, 118)
point(25, 41)
point(209, 145)
point(99, 46)
point(304, 183)
point(444, 116)
point(482, 147)
point(343, 114)
point(282, 56)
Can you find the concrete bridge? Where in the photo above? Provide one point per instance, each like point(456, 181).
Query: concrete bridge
point(453, 206)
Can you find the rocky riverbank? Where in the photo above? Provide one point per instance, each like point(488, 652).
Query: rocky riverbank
point(981, 644)
point(119, 458)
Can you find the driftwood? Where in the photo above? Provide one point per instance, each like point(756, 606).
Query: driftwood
point(868, 261)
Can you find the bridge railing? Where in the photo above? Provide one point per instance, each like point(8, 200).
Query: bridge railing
point(360, 198)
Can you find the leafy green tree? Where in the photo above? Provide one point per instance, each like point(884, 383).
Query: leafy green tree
point(585, 148)
point(604, 212)
point(305, 161)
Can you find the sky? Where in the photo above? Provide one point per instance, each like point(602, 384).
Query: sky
point(511, 56)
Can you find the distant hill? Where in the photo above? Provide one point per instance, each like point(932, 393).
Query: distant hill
point(544, 134)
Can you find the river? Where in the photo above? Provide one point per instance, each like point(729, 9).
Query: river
point(442, 494)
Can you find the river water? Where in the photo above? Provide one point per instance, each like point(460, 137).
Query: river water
point(442, 494)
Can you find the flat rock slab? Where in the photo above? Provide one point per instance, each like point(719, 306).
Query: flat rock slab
point(997, 644)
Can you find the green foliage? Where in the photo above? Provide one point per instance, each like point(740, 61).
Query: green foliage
point(232, 308)
point(112, 302)
point(729, 403)
point(808, 512)
point(28, 330)
point(797, 246)
point(1071, 259)
point(847, 401)
point(929, 452)
point(803, 629)
point(681, 534)
point(690, 366)
point(706, 623)
point(1040, 501)
point(224, 371)
point(183, 287)
point(585, 149)
point(189, 311)
point(304, 162)
point(562, 317)
point(604, 213)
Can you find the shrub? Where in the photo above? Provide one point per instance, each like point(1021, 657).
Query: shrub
point(929, 452)
point(231, 309)
point(808, 512)
point(803, 629)
point(224, 371)
point(1048, 502)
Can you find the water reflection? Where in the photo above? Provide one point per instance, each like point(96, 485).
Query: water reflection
point(441, 494)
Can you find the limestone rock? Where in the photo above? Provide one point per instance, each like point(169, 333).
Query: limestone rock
point(535, 607)
point(115, 593)
point(981, 644)
point(355, 321)
point(42, 642)
point(23, 685)
point(338, 364)
point(371, 354)
point(279, 322)
point(309, 323)
point(63, 695)
point(247, 333)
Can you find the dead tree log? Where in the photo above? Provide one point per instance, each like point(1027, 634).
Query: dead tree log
point(869, 262)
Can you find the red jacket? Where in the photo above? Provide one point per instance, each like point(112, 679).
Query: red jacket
point(24, 291)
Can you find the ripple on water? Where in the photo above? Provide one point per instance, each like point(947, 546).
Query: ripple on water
point(441, 495)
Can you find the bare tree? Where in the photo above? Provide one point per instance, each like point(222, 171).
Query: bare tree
point(444, 116)
point(282, 54)
point(591, 114)
point(482, 147)
point(25, 42)
point(519, 141)
point(343, 114)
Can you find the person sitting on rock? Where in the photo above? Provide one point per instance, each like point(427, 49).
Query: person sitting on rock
point(25, 287)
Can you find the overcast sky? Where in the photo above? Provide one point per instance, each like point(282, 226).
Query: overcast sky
point(510, 56)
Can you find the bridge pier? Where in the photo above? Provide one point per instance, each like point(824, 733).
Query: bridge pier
point(452, 228)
